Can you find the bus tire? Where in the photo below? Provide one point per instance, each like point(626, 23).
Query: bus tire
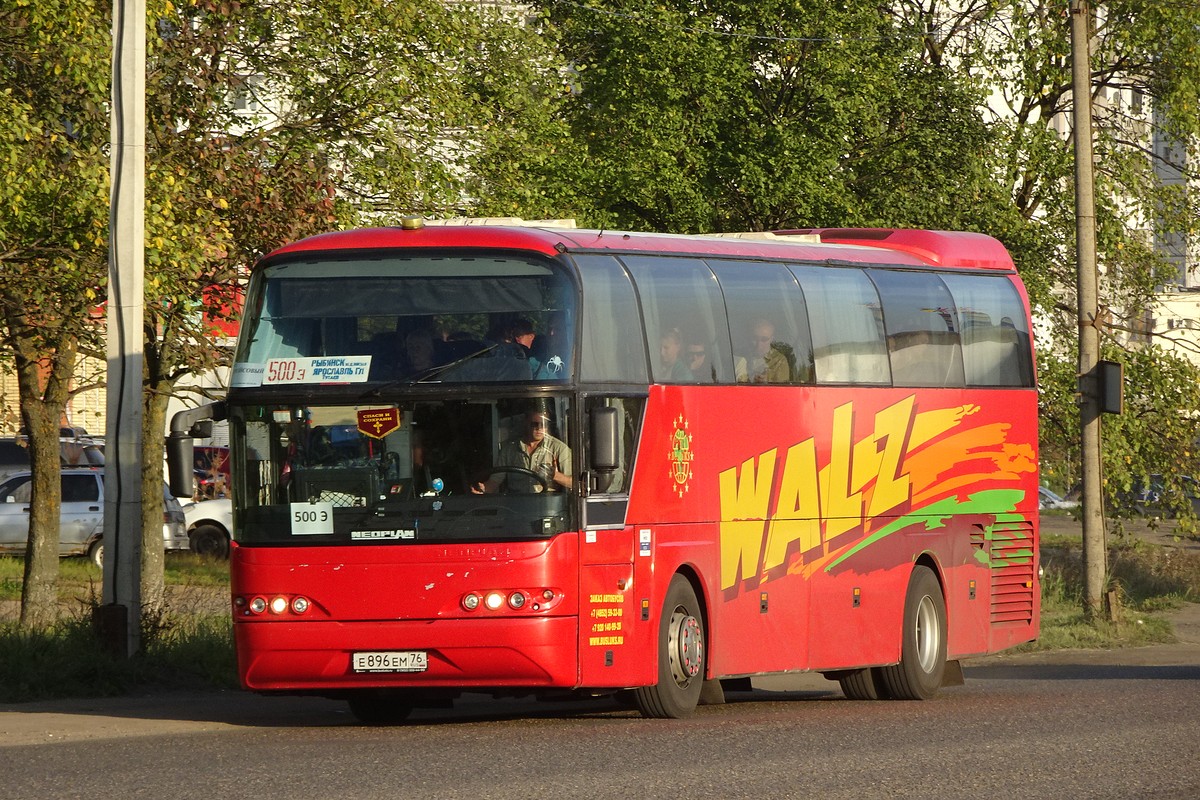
point(864, 684)
point(379, 707)
point(681, 656)
point(923, 644)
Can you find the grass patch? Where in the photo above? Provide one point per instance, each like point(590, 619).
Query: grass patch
point(68, 660)
point(1146, 578)
point(188, 646)
point(77, 577)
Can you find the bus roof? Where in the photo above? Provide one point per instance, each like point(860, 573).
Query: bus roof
point(856, 245)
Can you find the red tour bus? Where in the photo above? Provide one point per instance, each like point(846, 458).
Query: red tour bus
point(547, 461)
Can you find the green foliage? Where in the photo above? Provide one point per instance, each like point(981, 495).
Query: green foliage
point(727, 116)
point(68, 660)
point(1146, 579)
point(1156, 434)
point(53, 232)
point(186, 644)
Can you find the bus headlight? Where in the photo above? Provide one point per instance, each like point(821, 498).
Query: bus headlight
point(494, 600)
point(300, 605)
point(279, 605)
point(470, 602)
point(258, 605)
point(516, 600)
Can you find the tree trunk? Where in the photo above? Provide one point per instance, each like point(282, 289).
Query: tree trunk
point(43, 400)
point(154, 413)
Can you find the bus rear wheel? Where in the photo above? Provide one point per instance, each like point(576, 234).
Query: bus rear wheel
point(681, 656)
point(923, 647)
point(864, 684)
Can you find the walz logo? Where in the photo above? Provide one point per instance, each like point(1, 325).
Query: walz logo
point(681, 456)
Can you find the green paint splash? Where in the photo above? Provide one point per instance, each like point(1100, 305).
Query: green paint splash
point(998, 502)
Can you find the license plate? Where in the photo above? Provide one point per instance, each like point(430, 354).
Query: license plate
point(391, 661)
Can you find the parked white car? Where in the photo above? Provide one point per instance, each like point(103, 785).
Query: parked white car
point(1048, 499)
point(82, 518)
point(209, 525)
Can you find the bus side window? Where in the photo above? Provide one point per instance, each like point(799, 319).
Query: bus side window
point(995, 338)
point(613, 346)
point(768, 322)
point(923, 331)
point(681, 305)
point(847, 326)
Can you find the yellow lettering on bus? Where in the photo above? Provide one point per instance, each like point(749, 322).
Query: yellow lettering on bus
point(842, 505)
point(892, 487)
point(798, 513)
point(745, 503)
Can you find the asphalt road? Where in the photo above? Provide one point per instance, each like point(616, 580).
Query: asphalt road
point(1077, 724)
point(1070, 724)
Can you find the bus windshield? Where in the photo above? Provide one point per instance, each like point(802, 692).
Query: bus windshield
point(408, 319)
point(414, 472)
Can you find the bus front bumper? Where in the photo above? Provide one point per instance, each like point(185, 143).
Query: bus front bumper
point(467, 654)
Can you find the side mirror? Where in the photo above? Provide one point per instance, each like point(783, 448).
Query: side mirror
point(180, 460)
point(605, 436)
point(186, 425)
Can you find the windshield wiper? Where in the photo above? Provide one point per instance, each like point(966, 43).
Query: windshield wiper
point(433, 372)
point(429, 374)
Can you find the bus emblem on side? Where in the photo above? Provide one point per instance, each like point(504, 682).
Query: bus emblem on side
point(681, 456)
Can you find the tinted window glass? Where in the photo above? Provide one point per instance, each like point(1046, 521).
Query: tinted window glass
point(18, 490)
point(847, 326)
point(409, 318)
point(683, 309)
point(768, 322)
point(922, 328)
point(995, 337)
point(612, 349)
point(80, 489)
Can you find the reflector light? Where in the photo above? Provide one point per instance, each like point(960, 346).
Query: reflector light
point(300, 605)
point(471, 602)
point(279, 605)
point(516, 600)
point(258, 605)
point(494, 600)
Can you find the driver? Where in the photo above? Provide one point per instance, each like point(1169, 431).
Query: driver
point(534, 450)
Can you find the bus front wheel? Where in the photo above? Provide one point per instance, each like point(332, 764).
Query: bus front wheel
point(923, 647)
point(681, 656)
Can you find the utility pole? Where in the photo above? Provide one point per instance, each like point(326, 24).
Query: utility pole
point(119, 617)
point(1094, 549)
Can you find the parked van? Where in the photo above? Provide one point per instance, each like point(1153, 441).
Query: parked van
point(82, 517)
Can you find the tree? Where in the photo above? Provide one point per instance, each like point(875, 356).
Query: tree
point(1146, 81)
point(54, 194)
point(270, 121)
point(724, 115)
point(731, 116)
